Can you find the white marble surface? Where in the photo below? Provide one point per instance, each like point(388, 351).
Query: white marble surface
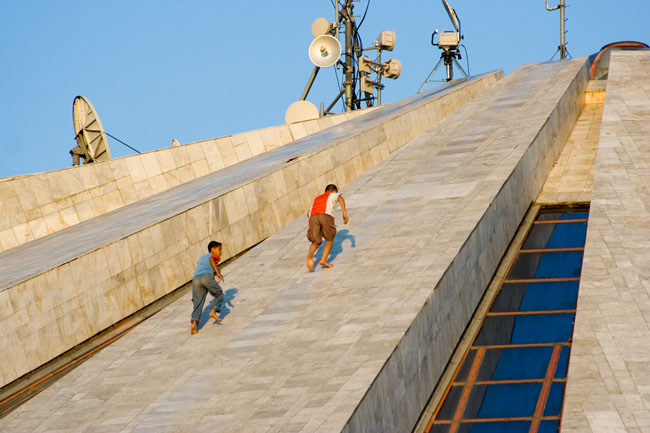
point(59, 290)
point(571, 179)
point(349, 348)
point(608, 386)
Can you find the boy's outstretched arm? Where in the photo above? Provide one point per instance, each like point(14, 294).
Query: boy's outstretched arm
point(216, 269)
point(345, 211)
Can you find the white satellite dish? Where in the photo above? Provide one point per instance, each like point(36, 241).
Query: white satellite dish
point(452, 15)
point(92, 144)
point(325, 51)
point(300, 111)
point(321, 26)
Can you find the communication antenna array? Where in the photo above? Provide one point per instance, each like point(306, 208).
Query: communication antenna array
point(449, 43)
point(326, 51)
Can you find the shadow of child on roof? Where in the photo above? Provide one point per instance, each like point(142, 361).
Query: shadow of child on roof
point(337, 246)
point(226, 306)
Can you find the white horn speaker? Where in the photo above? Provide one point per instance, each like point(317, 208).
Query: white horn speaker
point(325, 51)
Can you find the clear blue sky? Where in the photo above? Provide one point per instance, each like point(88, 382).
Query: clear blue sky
point(160, 69)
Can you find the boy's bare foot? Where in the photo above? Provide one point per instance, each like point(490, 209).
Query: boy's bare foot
point(213, 314)
point(310, 262)
point(326, 265)
point(193, 330)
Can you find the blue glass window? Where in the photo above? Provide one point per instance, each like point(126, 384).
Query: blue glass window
point(525, 336)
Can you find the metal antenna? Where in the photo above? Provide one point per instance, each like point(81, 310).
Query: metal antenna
point(449, 43)
point(562, 47)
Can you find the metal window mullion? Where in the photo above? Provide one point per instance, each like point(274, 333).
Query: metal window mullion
point(467, 389)
point(546, 389)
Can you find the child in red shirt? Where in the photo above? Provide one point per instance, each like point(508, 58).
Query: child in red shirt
point(321, 224)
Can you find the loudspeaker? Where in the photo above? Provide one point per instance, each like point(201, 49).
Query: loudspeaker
point(325, 51)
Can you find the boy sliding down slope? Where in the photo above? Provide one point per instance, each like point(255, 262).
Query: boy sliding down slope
point(321, 224)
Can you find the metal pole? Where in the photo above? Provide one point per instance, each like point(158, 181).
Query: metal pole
point(448, 65)
point(378, 77)
point(561, 7)
point(349, 64)
point(309, 83)
point(336, 20)
point(562, 43)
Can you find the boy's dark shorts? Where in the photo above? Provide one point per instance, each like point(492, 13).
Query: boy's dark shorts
point(321, 225)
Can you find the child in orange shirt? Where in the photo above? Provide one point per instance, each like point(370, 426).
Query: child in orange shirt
point(321, 224)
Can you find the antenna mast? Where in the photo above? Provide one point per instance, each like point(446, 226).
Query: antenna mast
point(562, 47)
point(348, 65)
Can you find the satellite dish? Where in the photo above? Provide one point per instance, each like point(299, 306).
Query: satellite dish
point(325, 51)
point(300, 111)
point(452, 15)
point(92, 144)
point(321, 26)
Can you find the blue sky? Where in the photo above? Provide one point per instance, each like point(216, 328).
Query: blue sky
point(156, 70)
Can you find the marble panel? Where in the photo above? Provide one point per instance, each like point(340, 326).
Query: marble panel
point(136, 169)
point(150, 164)
point(143, 188)
point(194, 152)
point(200, 168)
point(12, 212)
point(165, 160)
point(8, 239)
point(243, 152)
point(181, 156)
point(212, 155)
point(312, 127)
point(297, 130)
point(226, 151)
point(27, 199)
